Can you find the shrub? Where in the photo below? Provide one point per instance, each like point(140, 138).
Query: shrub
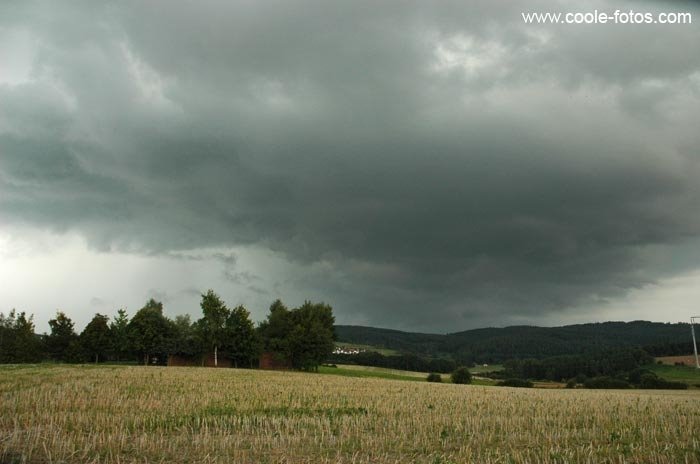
point(606, 382)
point(652, 381)
point(520, 383)
point(670, 385)
point(433, 377)
point(635, 376)
point(571, 383)
point(461, 375)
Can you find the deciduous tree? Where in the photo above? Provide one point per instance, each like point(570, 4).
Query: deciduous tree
point(150, 331)
point(461, 375)
point(96, 338)
point(213, 323)
point(311, 340)
point(18, 342)
point(62, 342)
point(303, 336)
point(187, 337)
point(120, 340)
point(275, 329)
point(241, 340)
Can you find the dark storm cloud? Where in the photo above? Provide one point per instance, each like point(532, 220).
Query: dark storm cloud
point(433, 166)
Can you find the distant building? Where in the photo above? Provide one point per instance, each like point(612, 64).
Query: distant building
point(343, 350)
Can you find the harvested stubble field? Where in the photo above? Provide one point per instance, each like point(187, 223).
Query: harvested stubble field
point(147, 414)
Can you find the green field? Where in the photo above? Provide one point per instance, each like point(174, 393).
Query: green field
point(686, 374)
point(480, 368)
point(117, 414)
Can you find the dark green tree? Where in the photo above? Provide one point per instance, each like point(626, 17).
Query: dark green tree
point(213, 324)
point(62, 344)
point(303, 336)
point(461, 375)
point(275, 329)
point(151, 332)
point(241, 340)
point(96, 338)
point(120, 340)
point(312, 338)
point(635, 375)
point(18, 342)
point(519, 383)
point(187, 339)
point(7, 337)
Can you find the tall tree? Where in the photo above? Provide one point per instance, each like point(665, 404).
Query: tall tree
point(18, 342)
point(213, 323)
point(27, 344)
point(275, 329)
point(7, 337)
point(121, 343)
point(150, 331)
point(187, 337)
point(62, 343)
point(96, 338)
point(241, 340)
point(303, 336)
point(311, 340)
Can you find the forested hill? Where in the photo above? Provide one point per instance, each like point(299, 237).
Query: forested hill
point(499, 344)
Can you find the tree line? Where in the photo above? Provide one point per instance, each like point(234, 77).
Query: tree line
point(607, 368)
point(497, 345)
point(301, 337)
point(405, 361)
point(608, 362)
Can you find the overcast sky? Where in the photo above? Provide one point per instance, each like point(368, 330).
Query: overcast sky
point(427, 166)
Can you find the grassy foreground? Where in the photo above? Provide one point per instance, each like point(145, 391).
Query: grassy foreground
point(148, 414)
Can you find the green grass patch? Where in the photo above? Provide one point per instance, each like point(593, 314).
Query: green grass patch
point(480, 369)
point(686, 374)
point(383, 370)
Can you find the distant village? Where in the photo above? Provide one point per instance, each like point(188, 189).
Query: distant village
point(347, 350)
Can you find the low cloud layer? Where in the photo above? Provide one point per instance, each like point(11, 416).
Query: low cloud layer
point(430, 166)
